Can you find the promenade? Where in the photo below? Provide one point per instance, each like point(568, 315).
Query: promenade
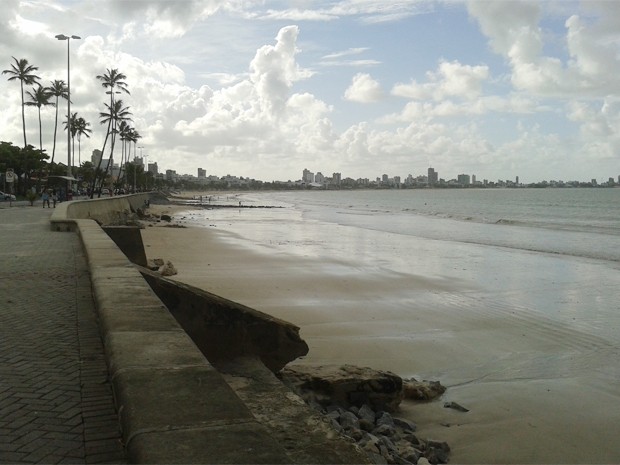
point(56, 403)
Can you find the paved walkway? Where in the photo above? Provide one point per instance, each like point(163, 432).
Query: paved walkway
point(56, 402)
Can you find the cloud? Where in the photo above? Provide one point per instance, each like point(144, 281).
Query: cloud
point(514, 32)
point(452, 79)
point(364, 89)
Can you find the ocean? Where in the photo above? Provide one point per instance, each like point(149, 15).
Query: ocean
point(509, 297)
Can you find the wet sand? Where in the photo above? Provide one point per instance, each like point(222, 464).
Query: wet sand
point(538, 373)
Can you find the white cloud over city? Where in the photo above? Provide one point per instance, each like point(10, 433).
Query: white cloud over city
point(260, 90)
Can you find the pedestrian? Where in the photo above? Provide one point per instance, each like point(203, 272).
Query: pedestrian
point(54, 197)
point(46, 198)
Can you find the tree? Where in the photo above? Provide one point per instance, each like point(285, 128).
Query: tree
point(25, 162)
point(39, 97)
point(58, 89)
point(116, 113)
point(71, 124)
point(80, 127)
point(24, 72)
point(112, 80)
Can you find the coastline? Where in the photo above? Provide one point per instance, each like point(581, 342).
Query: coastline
point(529, 392)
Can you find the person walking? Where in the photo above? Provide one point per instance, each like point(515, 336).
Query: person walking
point(46, 198)
point(54, 197)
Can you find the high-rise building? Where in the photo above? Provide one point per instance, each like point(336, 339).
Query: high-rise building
point(308, 176)
point(337, 178)
point(202, 173)
point(463, 179)
point(96, 157)
point(153, 168)
point(433, 177)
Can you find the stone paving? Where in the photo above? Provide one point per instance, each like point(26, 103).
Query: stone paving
point(56, 403)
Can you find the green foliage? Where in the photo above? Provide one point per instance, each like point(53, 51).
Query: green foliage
point(31, 196)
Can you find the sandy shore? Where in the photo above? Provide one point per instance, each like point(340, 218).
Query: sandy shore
point(538, 391)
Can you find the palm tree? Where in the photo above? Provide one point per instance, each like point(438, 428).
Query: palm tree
point(58, 89)
point(112, 80)
point(23, 72)
point(127, 135)
point(71, 124)
point(39, 97)
point(80, 126)
point(117, 113)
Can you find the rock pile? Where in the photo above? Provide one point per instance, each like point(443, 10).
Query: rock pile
point(358, 401)
point(385, 438)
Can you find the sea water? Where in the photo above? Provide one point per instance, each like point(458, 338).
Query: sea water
point(553, 250)
point(581, 222)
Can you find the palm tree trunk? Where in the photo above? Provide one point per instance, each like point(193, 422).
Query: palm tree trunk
point(55, 131)
point(94, 183)
point(40, 132)
point(23, 115)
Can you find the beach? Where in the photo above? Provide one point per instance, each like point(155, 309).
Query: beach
point(507, 331)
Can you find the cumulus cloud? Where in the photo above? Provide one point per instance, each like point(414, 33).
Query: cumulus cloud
point(364, 89)
point(514, 32)
point(452, 79)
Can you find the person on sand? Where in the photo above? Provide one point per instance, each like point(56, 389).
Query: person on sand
point(45, 196)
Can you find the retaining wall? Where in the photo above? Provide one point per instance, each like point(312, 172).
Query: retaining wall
point(173, 405)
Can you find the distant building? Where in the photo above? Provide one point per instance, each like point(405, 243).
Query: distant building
point(433, 177)
point(337, 178)
point(95, 157)
point(308, 176)
point(152, 168)
point(463, 179)
point(202, 173)
point(319, 178)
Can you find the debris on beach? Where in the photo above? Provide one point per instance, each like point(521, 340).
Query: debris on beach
point(154, 264)
point(163, 268)
point(455, 406)
point(168, 269)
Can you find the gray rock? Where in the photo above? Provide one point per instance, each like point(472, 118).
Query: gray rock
point(366, 413)
point(377, 458)
point(410, 454)
point(366, 425)
point(385, 430)
point(391, 447)
point(384, 418)
point(334, 415)
point(336, 425)
point(411, 439)
point(405, 425)
point(348, 420)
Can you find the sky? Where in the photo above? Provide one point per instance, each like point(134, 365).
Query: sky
point(265, 89)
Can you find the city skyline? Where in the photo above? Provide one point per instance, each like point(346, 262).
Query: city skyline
point(262, 88)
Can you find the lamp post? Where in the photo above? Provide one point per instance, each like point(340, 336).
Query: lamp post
point(69, 173)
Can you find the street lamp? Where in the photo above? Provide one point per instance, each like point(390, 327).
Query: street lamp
point(69, 173)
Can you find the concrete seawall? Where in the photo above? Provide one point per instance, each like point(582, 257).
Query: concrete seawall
point(174, 406)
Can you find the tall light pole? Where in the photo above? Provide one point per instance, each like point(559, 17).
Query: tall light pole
point(69, 173)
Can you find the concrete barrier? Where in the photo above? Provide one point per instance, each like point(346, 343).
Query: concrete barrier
point(173, 405)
